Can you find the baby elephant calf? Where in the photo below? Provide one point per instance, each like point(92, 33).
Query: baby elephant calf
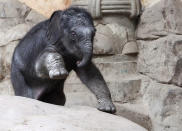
point(50, 50)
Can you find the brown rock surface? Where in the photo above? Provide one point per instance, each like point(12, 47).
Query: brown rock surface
point(47, 7)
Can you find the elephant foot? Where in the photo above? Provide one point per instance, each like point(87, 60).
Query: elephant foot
point(58, 73)
point(106, 105)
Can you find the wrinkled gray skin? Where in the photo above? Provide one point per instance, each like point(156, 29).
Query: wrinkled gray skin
point(44, 57)
point(51, 65)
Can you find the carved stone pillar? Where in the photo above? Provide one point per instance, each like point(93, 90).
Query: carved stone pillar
point(115, 21)
point(99, 7)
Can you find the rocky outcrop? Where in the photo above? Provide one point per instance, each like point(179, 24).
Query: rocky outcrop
point(160, 40)
point(161, 59)
point(20, 114)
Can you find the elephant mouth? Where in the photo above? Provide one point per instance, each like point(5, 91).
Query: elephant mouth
point(78, 62)
point(85, 60)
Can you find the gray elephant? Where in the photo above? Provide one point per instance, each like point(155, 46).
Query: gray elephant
point(50, 50)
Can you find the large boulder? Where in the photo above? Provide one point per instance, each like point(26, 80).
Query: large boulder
point(20, 114)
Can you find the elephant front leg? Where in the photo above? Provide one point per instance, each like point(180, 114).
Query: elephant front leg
point(50, 65)
point(56, 67)
point(93, 79)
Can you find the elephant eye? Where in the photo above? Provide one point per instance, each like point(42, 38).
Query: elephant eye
point(73, 35)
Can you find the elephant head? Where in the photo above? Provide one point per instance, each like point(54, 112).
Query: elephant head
point(75, 31)
point(81, 38)
point(78, 35)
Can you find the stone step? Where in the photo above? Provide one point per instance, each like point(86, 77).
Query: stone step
point(135, 112)
point(123, 90)
point(115, 58)
point(112, 68)
point(119, 72)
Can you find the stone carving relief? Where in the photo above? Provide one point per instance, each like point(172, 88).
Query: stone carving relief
point(115, 22)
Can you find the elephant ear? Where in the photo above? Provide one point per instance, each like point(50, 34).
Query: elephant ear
point(54, 29)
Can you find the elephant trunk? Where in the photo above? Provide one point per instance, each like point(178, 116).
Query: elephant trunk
point(87, 51)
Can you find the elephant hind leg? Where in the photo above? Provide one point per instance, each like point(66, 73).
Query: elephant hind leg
point(55, 96)
point(19, 84)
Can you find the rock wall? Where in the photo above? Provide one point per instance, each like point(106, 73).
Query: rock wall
point(159, 38)
point(15, 21)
